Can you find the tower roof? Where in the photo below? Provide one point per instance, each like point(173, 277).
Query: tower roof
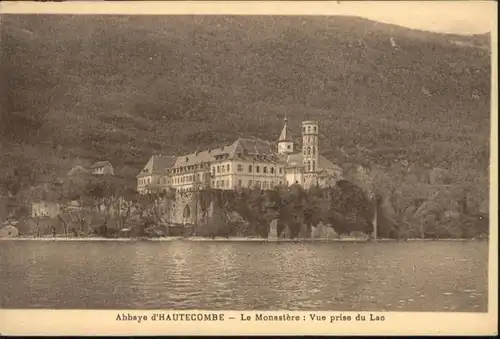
point(285, 134)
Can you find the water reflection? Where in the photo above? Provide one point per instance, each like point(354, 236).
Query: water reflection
point(433, 276)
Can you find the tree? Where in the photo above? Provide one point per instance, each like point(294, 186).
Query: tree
point(350, 208)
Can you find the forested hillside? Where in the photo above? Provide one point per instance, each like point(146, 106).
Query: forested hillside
point(123, 88)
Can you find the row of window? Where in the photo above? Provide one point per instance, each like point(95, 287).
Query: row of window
point(144, 181)
point(188, 178)
point(159, 181)
point(239, 169)
point(309, 129)
point(311, 166)
point(250, 184)
point(310, 151)
point(221, 169)
point(184, 169)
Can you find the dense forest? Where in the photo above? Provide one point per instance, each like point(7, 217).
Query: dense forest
point(410, 107)
point(123, 88)
point(106, 206)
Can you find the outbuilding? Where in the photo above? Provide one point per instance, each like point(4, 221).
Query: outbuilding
point(9, 231)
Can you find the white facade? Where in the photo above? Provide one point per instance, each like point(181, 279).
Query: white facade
point(45, 209)
point(246, 163)
point(310, 152)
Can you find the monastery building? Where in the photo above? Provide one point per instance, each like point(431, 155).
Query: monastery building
point(247, 162)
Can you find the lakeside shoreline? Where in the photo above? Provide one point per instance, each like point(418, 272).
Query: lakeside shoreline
point(223, 239)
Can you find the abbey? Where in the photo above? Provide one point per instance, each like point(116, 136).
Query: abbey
point(247, 162)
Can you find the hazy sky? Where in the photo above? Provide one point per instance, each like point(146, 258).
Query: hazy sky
point(462, 17)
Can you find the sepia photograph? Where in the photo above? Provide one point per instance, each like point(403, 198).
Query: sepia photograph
point(334, 163)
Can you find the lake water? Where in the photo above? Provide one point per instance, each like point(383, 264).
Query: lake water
point(392, 276)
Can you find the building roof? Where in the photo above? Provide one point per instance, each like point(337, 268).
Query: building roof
point(194, 158)
point(285, 134)
point(250, 148)
point(324, 163)
point(254, 146)
point(244, 148)
point(101, 164)
point(78, 169)
point(158, 164)
point(297, 160)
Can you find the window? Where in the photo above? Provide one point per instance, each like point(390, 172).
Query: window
point(213, 183)
point(288, 146)
point(313, 151)
point(213, 169)
point(222, 168)
point(249, 168)
point(314, 165)
point(309, 166)
point(228, 168)
point(281, 170)
point(265, 169)
point(272, 170)
point(315, 129)
point(218, 169)
point(309, 128)
point(257, 169)
point(239, 168)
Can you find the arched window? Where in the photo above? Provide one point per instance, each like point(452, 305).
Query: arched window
point(309, 166)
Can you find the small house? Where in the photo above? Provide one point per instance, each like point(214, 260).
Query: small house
point(45, 209)
point(9, 231)
point(102, 167)
point(78, 170)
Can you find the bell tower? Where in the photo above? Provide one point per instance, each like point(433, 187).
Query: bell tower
point(285, 142)
point(310, 152)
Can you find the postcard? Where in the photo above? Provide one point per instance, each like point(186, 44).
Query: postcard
point(239, 168)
